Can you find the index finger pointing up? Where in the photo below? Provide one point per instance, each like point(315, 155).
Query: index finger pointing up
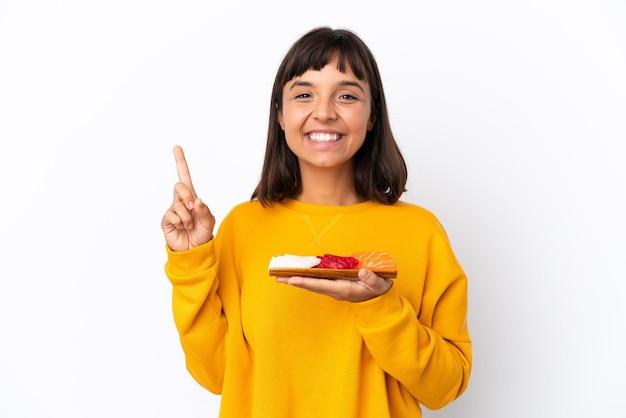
point(182, 169)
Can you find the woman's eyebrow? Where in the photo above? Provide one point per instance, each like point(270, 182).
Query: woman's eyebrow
point(345, 83)
point(300, 83)
point(348, 83)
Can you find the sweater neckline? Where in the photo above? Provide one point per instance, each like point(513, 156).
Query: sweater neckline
point(324, 209)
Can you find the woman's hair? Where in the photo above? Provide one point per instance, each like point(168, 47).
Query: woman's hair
point(380, 171)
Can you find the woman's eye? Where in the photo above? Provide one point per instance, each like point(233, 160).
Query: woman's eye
point(303, 96)
point(347, 97)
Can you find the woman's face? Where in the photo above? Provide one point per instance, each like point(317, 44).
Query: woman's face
point(326, 115)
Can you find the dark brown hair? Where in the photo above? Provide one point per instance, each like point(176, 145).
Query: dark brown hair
point(380, 171)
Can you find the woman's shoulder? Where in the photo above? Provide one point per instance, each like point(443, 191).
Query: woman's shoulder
point(242, 215)
point(246, 209)
point(410, 215)
point(412, 209)
point(254, 211)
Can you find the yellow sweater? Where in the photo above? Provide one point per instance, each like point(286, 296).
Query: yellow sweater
point(277, 351)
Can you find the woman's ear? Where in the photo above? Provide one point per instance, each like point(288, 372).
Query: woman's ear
point(370, 123)
point(279, 117)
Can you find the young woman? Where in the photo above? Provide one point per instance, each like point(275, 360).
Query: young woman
point(300, 347)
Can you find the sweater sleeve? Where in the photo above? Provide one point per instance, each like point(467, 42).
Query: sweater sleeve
point(197, 311)
point(430, 352)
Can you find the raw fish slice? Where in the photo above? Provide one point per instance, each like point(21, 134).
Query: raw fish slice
point(375, 260)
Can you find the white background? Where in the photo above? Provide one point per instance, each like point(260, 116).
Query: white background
point(511, 115)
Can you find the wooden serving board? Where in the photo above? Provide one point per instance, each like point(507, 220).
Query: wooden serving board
point(349, 274)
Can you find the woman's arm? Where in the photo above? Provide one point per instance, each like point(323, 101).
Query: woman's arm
point(429, 351)
point(198, 314)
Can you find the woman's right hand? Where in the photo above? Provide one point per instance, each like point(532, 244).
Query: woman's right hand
point(188, 222)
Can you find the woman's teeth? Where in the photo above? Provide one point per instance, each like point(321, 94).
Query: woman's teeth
point(319, 137)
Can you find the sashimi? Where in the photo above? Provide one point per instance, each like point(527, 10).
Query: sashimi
point(375, 260)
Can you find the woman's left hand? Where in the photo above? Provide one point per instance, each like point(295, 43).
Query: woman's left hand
point(368, 286)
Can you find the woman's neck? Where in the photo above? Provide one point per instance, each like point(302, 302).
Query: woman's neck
point(331, 187)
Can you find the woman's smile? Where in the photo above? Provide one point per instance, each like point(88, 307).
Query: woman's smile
point(323, 137)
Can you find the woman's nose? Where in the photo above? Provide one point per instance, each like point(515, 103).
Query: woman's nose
point(325, 109)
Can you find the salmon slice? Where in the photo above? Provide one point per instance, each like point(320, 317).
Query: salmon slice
point(375, 260)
